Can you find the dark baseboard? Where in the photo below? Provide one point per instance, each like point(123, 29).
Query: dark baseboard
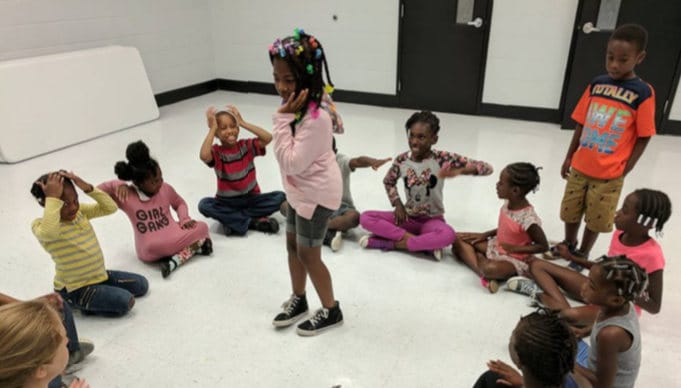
point(520, 112)
point(671, 127)
point(185, 93)
point(338, 95)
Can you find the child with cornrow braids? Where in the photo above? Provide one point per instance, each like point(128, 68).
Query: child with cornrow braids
point(615, 353)
point(642, 210)
point(501, 253)
point(543, 347)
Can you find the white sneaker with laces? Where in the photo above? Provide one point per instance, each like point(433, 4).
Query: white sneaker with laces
point(522, 285)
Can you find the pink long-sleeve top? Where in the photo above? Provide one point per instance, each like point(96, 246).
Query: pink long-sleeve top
point(157, 233)
point(307, 163)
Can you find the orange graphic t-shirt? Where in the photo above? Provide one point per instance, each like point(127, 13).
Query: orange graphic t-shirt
point(613, 115)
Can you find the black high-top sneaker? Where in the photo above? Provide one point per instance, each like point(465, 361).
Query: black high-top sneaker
point(294, 309)
point(322, 320)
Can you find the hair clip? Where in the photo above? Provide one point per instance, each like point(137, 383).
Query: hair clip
point(318, 53)
point(609, 275)
point(282, 52)
point(640, 219)
point(328, 89)
point(654, 223)
point(299, 50)
point(296, 33)
point(310, 69)
point(297, 116)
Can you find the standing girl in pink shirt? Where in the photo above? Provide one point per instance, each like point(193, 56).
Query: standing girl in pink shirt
point(147, 202)
point(303, 133)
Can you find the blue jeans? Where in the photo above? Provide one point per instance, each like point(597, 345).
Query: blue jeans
point(113, 297)
point(71, 334)
point(236, 213)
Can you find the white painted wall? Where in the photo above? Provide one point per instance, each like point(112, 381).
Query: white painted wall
point(527, 53)
point(173, 36)
point(675, 112)
point(361, 46)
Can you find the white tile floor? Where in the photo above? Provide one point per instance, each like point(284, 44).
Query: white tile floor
point(409, 322)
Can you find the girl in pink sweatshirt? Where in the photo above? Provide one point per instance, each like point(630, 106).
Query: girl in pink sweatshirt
point(303, 134)
point(147, 202)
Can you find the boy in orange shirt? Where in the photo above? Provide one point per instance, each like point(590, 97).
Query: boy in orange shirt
point(615, 120)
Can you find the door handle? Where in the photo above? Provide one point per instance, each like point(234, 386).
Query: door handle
point(477, 22)
point(588, 28)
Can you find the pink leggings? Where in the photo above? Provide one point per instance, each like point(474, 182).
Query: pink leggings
point(430, 232)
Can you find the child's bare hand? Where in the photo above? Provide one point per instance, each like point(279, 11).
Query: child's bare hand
point(236, 112)
point(565, 168)
point(563, 251)
point(509, 376)
point(54, 299)
point(86, 187)
point(54, 186)
point(79, 383)
point(448, 172)
point(377, 163)
point(400, 214)
point(581, 332)
point(472, 238)
point(122, 193)
point(210, 117)
point(509, 248)
point(294, 103)
point(189, 224)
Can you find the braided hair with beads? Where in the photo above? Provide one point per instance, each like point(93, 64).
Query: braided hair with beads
point(545, 346)
point(306, 58)
point(630, 280)
point(653, 207)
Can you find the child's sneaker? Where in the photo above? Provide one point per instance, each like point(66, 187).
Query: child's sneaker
point(438, 254)
point(207, 247)
point(522, 285)
point(166, 267)
point(376, 243)
point(333, 239)
point(322, 320)
point(294, 309)
point(76, 358)
point(490, 284)
point(265, 224)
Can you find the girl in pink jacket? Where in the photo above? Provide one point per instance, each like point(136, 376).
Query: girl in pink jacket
point(303, 134)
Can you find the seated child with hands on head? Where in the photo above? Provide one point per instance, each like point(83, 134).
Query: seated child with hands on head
point(503, 252)
point(66, 234)
point(238, 204)
point(147, 203)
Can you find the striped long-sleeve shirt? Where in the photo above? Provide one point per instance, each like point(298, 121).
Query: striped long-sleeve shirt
point(73, 245)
